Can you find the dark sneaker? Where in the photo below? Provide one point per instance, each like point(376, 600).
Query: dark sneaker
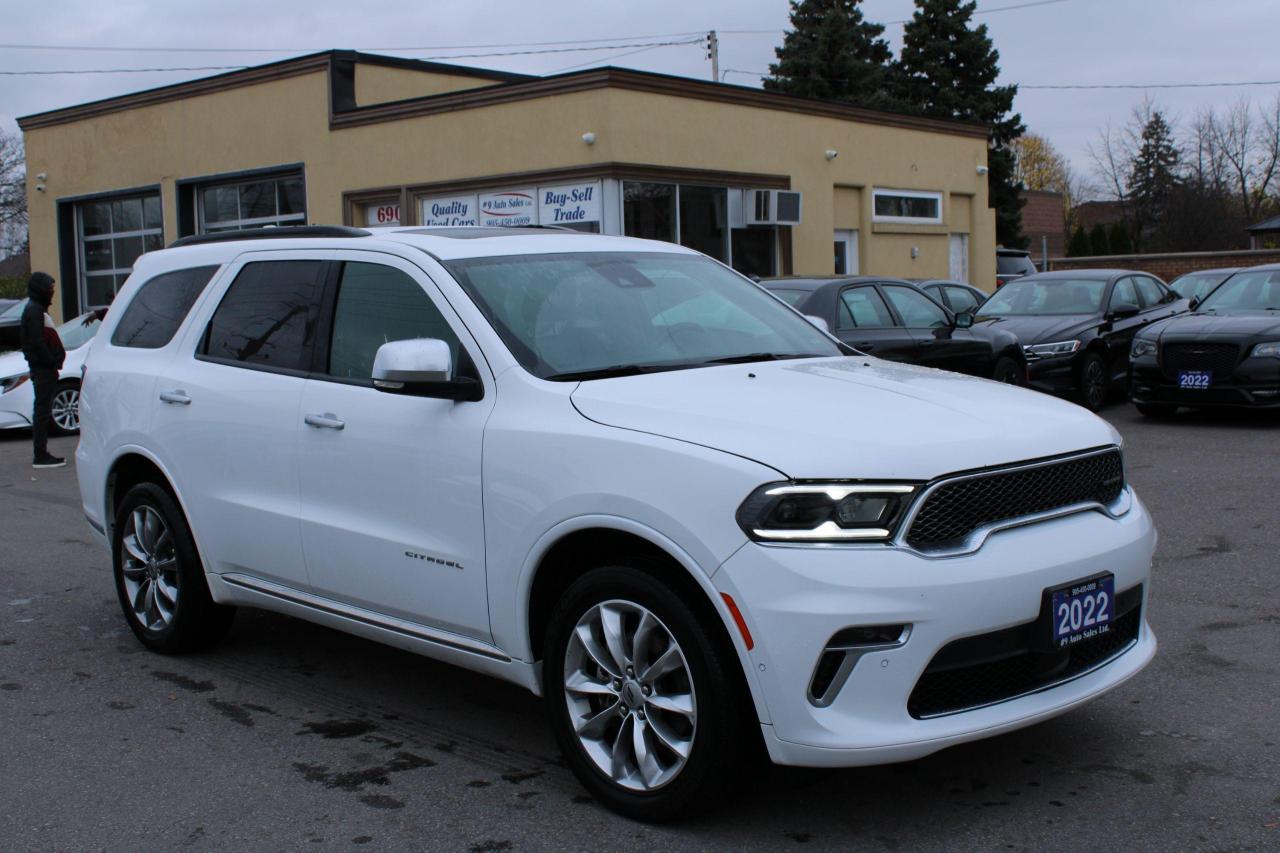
point(48, 460)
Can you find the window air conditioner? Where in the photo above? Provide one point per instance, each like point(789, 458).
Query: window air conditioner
point(773, 207)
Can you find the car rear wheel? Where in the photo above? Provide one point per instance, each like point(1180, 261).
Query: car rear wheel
point(1009, 371)
point(1094, 382)
point(66, 409)
point(159, 577)
point(644, 701)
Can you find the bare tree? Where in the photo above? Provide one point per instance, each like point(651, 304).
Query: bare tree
point(1245, 144)
point(13, 193)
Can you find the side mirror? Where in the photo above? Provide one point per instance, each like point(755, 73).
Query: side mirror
point(1123, 310)
point(421, 367)
point(818, 322)
point(1194, 303)
point(964, 320)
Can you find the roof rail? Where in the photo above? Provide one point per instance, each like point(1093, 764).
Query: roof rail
point(272, 233)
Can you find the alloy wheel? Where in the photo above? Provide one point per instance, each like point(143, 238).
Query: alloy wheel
point(1095, 383)
point(150, 566)
point(66, 409)
point(630, 695)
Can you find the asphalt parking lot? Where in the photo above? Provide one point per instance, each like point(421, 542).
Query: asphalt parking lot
point(291, 736)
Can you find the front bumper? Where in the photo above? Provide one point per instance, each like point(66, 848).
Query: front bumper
point(794, 599)
point(1056, 375)
point(1254, 384)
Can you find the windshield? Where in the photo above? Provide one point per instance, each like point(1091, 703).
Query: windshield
point(1197, 285)
point(75, 334)
point(585, 315)
point(13, 311)
point(1046, 296)
point(1245, 291)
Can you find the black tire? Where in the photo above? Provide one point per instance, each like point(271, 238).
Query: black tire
point(1010, 371)
point(725, 736)
point(1093, 382)
point(196, 621)
point(1156, 410)
point(69, 389)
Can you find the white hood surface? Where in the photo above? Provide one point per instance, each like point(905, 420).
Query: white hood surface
point(856, 418)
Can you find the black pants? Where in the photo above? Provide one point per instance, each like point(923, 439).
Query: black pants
point(45, 382)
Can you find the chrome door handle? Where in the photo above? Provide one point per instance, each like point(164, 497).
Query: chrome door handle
point(326, 421)
point(177, 398)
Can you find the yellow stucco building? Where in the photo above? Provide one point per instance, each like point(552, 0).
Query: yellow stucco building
point(769, 183)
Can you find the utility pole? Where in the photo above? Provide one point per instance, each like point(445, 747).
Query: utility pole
point(713, 53)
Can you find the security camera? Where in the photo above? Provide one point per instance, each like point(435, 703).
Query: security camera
point(832, 154)
point(589, 138)
point(982, 170)
point(43, 176)
point(39, 188)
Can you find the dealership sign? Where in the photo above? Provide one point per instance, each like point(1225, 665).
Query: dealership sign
point(569, 204)
point(509, 207)
point(443, 211)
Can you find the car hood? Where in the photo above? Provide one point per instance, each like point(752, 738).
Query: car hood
point(846, 417)
point(1043, 328)
point(1218, 326)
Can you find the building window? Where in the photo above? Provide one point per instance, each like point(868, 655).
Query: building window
point(692, 216)
point(257, 203)
point(910, 206)
point(111, 234)
point(649, 211)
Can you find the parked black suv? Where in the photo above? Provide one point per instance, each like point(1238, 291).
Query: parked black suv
point(1011, 264)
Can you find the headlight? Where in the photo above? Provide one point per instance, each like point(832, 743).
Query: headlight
point(1271, 349)
point(9, 383)
point(825, 512)
point(1142, 347)
point(1048, 350)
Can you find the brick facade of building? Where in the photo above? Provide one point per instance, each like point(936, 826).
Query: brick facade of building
point(1170, 266)
point(1044, 220)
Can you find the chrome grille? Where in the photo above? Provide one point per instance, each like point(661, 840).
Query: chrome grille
point(1221, 359)
point(955, 509)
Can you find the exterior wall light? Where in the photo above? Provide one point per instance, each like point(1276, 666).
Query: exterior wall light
point(982, 170)
point(589, 137)
point(832, 154)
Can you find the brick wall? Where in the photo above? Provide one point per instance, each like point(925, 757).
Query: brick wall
point(1169, 267)
point(1044, 216)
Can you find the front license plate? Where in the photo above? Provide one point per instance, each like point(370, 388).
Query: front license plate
point(1083, 610)
point(1194, 380)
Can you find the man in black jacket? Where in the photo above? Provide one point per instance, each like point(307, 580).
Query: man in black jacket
point(44, 353)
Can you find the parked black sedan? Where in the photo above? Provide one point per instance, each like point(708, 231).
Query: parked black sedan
point(1199, 284)
point(1224, 353)
point(1076, 326)
point(895, 320)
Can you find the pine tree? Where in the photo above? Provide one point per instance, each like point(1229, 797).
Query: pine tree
point(949, 70)
point(1119, 240)
point(1079, 246)
point(832, 52)
point(1098, 242)
point(1152, 180)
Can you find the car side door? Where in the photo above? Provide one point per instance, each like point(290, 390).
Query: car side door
point(938, 342)
point(864, 321)
point(226, 414)
point(392, 519)
point(1118, 331)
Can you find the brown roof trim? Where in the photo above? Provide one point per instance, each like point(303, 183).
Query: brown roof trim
point(206, 85)
point(640, 81)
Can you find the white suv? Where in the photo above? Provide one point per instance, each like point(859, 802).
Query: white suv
point(615, 472)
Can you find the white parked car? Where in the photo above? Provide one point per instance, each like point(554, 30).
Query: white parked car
point(619, 474)
point(17, 395)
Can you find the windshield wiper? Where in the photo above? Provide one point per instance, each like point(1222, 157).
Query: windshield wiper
point(615, 370)
point(760, 356)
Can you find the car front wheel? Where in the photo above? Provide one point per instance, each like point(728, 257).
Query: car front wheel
point(1094, 382)
point(1009, 371)
point(66, 409)
point(645, 702)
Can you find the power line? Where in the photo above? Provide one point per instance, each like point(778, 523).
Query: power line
point(408, 49)
point(120, 70)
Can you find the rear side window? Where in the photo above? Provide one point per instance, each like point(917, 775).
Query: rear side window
point(268, 317)
point(378, 304)
point(159, 307)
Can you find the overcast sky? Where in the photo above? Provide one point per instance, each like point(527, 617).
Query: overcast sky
point(1061, 42)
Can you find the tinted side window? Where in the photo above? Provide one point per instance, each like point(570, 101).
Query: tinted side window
point(1150, 292)
point(268, 317)
point(1124, 292)
point(961, 299)
point(862, 308)
point(918, 311)
point(159, 307)
point(376, 305)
